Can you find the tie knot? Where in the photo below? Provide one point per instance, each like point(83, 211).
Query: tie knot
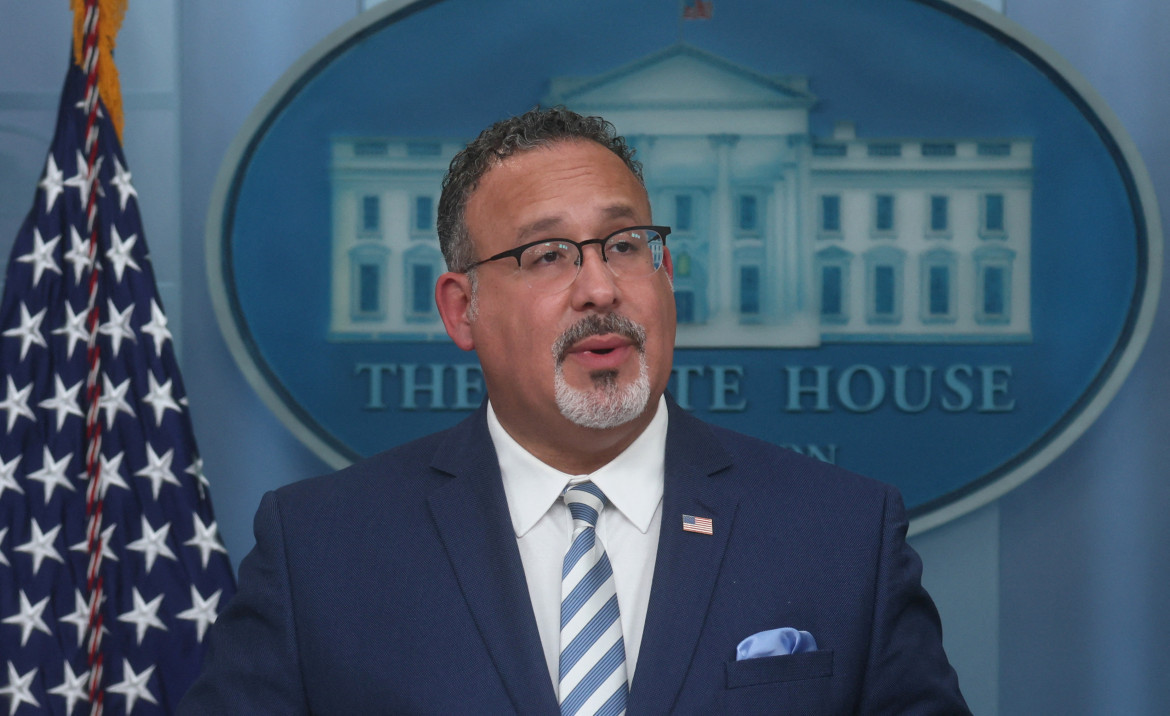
point(585, 501)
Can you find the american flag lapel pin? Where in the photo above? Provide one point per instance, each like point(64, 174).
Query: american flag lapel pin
point(702, 525)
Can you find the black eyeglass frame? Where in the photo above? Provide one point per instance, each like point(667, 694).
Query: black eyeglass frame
point(516, 253)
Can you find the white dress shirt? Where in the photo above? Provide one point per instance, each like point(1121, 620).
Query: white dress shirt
point(628, 528)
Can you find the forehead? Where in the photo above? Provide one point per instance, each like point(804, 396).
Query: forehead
point(569, 183)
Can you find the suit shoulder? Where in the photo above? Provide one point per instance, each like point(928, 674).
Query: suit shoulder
point(763, 465)
point(820, 505)
point(393, 474)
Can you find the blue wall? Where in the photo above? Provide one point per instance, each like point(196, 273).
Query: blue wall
point(1055, 598)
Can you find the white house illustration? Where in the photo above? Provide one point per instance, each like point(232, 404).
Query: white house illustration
point(779, 238)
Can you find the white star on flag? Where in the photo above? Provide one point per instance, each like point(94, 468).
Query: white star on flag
point(133, 686)
point(157, 328)
point(158, 470)
point(144, 615)
point(206, 539)
point(196, 469)
point(78, 255)
point(29, 331)
point(64, 401)
point(3, 559)
point(52, 473)
point(202, 611)
point(153, 544)
point(73, 688)
point(119, 252)
point(79, 617)
point(53, 183)
point(160, 399)
point(81, 105)
point(121, 182)
point(41, 256)
point(40, 546)
point(16, 403)
point(104, 545)
point(29, 618)
point(83, 179)
point(19, 689)
point(74, 328)
point(118, 327)
point(110, 474)
point(113, 399)
point(8, 477)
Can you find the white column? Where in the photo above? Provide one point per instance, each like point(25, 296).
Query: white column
point(778, 251)
point(721, 231)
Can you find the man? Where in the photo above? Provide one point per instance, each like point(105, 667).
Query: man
point(579, 544)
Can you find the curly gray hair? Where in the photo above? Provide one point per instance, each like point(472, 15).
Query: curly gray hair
point(535, 128)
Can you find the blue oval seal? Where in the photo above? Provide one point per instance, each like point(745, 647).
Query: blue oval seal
point(907, 237)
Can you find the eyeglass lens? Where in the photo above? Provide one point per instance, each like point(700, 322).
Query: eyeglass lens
point(554, 264)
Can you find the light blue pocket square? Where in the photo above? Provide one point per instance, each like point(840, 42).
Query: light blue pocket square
point(775, 642)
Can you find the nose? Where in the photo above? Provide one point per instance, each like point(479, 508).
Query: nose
point(595, 286)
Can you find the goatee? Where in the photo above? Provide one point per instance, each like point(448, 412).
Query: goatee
point(607, 404)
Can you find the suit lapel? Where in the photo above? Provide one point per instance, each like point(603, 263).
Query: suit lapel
point(687, 565)
point(471, 515)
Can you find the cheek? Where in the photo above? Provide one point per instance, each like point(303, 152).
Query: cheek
point(515, 339)
point(665, 322)
point(661, 355)
point(664, 318)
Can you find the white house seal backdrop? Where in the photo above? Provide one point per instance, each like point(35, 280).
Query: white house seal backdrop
point(907, 238)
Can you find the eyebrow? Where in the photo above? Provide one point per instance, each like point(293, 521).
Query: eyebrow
point(615, 211)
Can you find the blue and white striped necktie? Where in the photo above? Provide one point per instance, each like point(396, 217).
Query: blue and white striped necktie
point(593, 654)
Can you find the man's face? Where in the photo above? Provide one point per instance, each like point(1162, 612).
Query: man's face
point(596, 353)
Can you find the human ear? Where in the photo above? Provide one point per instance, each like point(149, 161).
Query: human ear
point(453, 296)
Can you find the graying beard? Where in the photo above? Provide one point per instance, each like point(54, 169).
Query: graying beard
point(607, 404)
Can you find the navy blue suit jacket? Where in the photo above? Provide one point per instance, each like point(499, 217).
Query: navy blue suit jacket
point(396, 586)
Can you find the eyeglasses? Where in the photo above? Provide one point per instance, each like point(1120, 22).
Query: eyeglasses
point(551, 265)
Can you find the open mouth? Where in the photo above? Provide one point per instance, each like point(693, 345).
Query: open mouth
point(599, 336)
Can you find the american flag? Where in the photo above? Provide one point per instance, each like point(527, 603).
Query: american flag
point(698, 9)
point(111, 568)
point(702, 525)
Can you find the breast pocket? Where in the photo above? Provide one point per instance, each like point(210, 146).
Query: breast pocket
point(789, 683)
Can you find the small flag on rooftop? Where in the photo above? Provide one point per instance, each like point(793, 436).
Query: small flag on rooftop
point(698, 9)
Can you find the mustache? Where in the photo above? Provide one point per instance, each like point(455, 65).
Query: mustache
point(596, 325)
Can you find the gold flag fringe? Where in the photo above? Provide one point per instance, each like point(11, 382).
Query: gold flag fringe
point(110, 15)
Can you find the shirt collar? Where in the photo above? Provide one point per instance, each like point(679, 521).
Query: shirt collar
point(632, 481)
